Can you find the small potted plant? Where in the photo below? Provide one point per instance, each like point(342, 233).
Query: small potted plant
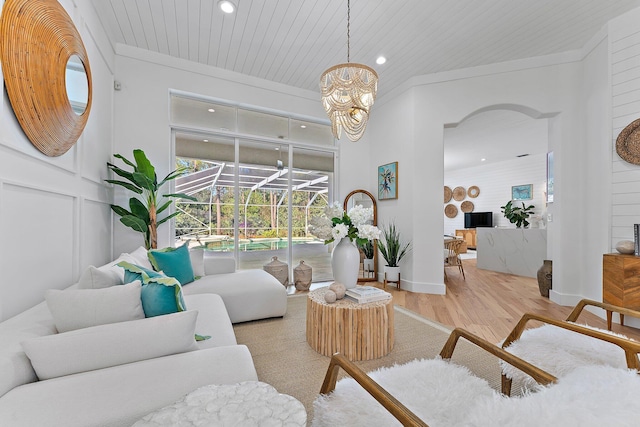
point(517, 215)
point(392, 251)
point(367, 249)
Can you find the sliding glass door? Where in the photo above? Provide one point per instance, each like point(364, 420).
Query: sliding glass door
point(259, 178)
point(255, 200)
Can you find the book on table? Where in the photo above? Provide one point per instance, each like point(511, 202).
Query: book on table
point(364, 294)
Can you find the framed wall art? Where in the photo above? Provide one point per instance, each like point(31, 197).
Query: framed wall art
point(522, 192)
point(388, 181)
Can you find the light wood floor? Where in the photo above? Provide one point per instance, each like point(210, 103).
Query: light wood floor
point(488, 303)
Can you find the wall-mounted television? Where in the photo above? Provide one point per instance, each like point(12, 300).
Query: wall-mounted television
point(478, 219)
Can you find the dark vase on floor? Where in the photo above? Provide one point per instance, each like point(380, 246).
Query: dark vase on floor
point(544, 277)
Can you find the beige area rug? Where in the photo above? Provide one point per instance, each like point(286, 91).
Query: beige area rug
point(283, 358)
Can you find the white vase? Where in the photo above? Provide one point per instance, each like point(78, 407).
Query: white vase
point(345, 263)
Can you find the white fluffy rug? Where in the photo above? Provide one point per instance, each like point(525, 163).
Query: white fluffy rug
point(559, 351)
point(444, 394)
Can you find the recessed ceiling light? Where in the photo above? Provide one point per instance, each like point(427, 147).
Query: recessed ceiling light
point(211, 110)
point(205, 140)
point(483, 159)
point(381, 60)
point(303, 126)
point(226, 6)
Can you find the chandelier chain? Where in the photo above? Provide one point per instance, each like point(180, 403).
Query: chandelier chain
point(348, 92)
point(348, 35)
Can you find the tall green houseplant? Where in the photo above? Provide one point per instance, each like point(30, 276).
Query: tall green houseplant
point(143, 212)
point(390, 246)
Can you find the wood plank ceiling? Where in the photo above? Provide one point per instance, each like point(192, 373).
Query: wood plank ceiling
point(294, 41)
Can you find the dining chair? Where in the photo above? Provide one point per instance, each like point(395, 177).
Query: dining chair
point(452, 256)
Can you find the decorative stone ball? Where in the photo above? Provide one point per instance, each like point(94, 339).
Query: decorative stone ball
point(330, 297)
point(625, 247)
point(339, 289)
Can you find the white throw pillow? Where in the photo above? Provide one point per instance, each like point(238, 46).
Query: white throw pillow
point(216, 264)
point(141, 257)
point(111, 345)
point(95, 278)
point(82, 308)
point(112, 267)
point(197, 261)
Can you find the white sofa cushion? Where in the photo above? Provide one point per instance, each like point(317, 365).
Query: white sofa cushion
point(141, 258)
point(197, 261)
point(213, 320)
point(15, 368)
point(83, 308)
point(112, 267)
point(216, 264)
point(95, 278)
point(121, 395)
point(247, 294)
point(110, 345)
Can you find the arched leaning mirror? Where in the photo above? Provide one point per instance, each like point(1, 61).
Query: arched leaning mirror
point(368, 253)
point(46, 73)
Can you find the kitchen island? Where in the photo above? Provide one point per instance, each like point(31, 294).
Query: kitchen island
point(518, 251)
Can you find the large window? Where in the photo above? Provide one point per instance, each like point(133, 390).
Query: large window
point(256, 193)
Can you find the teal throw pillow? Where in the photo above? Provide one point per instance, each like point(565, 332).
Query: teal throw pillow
point(133, 272)
point(161, 295)
point(173, 262)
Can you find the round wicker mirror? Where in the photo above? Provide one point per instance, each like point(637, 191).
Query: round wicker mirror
point(37, 42)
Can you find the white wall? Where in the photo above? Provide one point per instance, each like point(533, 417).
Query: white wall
point(495, 182)
point(54, 212)
point(142, 113)
point(388, 138)
point(595, 205)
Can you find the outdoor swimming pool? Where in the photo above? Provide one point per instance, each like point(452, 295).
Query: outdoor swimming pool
point(258, 244)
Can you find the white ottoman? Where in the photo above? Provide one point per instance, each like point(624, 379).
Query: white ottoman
point(249, 403)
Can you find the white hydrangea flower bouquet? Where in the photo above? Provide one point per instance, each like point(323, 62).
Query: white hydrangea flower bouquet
point(336, 224)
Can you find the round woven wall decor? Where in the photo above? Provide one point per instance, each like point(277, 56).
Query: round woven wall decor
point(451, 211)
point(447, 194)
point(628, 143)
point(37, 38)
point(466, 206)
point(459, 193)
point(473, 191)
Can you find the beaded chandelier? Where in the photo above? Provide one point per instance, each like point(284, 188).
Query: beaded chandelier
point(348, 93)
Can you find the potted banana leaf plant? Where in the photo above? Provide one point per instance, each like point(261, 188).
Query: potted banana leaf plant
point(146, 206)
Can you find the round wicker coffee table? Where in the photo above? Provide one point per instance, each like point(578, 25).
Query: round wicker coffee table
point(358, 331)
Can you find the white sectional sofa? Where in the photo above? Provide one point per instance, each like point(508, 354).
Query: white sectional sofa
point(113, 374)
